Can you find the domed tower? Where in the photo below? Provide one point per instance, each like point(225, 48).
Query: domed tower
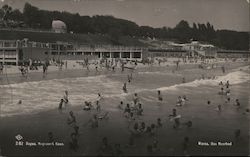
point(59, 26)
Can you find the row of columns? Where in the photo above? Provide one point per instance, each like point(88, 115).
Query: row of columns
point(111, 54)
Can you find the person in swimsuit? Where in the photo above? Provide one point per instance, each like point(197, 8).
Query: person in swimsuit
point(159, 95)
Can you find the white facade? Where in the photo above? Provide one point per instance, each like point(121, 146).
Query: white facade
point(59, 26)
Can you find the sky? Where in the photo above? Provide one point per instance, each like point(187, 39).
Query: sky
point(222, 14)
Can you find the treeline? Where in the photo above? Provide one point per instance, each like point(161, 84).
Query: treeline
point(36, 18)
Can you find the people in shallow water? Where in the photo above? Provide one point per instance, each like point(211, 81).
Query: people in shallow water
point(227, 84)
point(127, 110)
point(221, 84)
point(124, 88)
point(237, 103)
point(139, 110)
point(142, 128)
point(94, 122)
point(98, 106)
point(183, 80)
point(174, 114)
point(120, 106)
point(118, 151)
point(135, 99)
point(105, 147)
point(73, 144)
point(71, 119)
point(60, 104)
point(99, 97)
point(159, 123)
point(185, 145)
point(159, 95)
point(221, 92)
point(65, 97)
point(50, 137)
point(219, 108)
point(87, 106)
point(227, 92)
point(208, 102)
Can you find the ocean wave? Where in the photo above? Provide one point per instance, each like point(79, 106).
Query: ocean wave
point(43, 95)
point(236, 77)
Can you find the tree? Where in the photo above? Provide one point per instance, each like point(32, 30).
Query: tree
point(6, 12)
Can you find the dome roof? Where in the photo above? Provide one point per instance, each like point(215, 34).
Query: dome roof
point(58, 26)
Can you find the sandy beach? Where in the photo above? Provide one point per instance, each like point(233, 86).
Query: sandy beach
point(38, 113)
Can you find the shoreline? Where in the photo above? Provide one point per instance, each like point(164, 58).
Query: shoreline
point(16, 77)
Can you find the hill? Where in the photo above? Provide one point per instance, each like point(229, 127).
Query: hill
point(91, 39)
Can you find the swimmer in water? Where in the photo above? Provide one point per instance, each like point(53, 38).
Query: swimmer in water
point(174, 114)
point(65, 97)
point(99, 97)
point(221, 91)
point(87, 106)
point(60, 104)
point(139, 110)
point(219, 108)
point(159, 123)
point(159, 95)
point(129, 80)
point(221, 83)
point(208, 102)
point(135, 99)
point(71, 119)
point(98, 106)
point(120, 106)
point(127, 110)
point(183, 80)
point(237, 103)
point(19, 102)
point(227, 84)
point(143, 127)
point(124, 88)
